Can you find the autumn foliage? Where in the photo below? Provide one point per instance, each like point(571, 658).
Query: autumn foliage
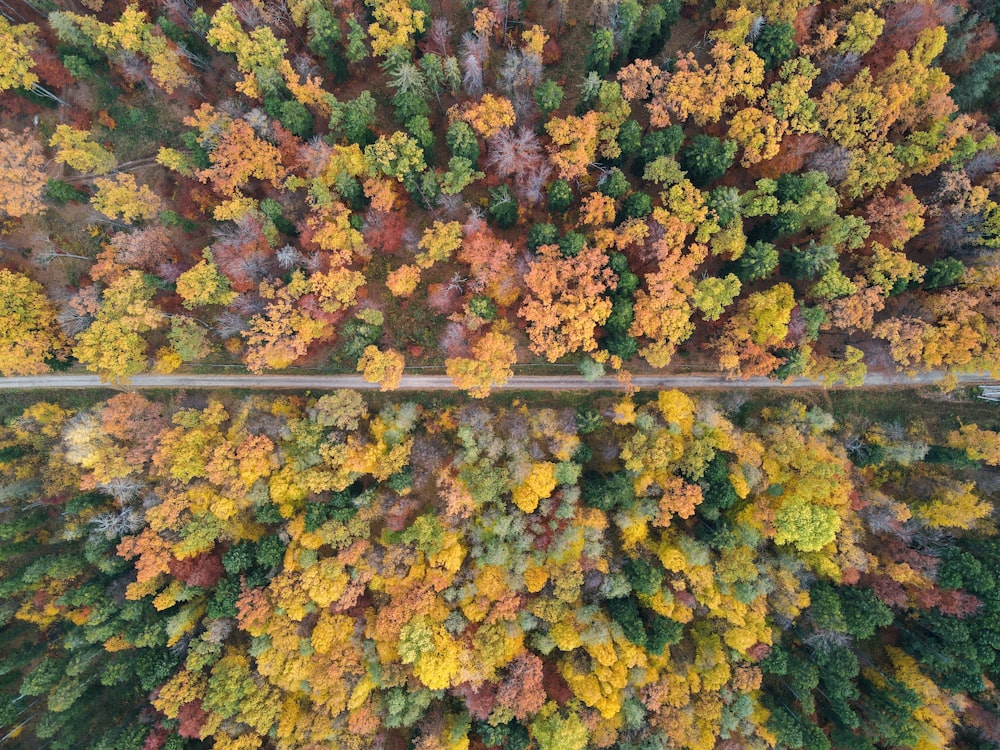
point(294, 571)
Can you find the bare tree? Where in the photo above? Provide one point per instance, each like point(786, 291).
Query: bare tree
point(123, 489)
point(288, 257)
point(438, 39)
point(834, 160)
point(472, 55)
point(115, 524)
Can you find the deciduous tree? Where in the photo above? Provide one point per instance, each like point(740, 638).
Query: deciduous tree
point(28, 332)
point(566, 300)
point(382, 367)
point(490, 364)
point(21, 163)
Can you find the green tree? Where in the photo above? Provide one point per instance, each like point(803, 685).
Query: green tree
point(943, 272)
point(463, 142)
point(294, 116)
point(638, 205)
point(542, 234)
point(560, 196)
point(809, 261)
point(357, 117)
point(600, 52)
point(707, 158)
point(548, 97)
point(502, 208)
point(615, 184)
point(775, 44)
point(657, 143)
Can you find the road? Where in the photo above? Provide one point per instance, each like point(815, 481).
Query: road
point(415, 382)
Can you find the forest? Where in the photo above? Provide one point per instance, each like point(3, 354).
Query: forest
point(784, 189)
point(752, 188)
point(633, 572)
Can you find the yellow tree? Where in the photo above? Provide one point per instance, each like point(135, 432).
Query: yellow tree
point(113, 346)
point(21, 162)
point(16, 62)
point(28, 331)
point(396, 23)
point(203, 284)
point(122, 198)
point(758, 132)
point(487, 116)
point(490, 365)
point(77, 150)
point(382, 367)
point(439, 241)
point(979, 444)
point(402, 282)
point(283, 332)
point(760, 323)
point(239, 156)
point(337, 288)
point(954, 505)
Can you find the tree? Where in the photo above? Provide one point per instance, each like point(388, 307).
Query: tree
point(357, 116)
point(122, 198)
point(548, 97)
point(76, 150)
point(553, 731)
point(396, 23)
point(398, 156)
point(566, 300)
point(502, 207)
point(521, 690)
point(487, 116)
point(574, 143)
point(954, 505)
point(943, 272)
point(757, 262)
point(188, 339)
point(113, 346)
point(284, 330)
point(204, 285)
point(343, 409)
point(490, 364)
point(21, 163)
point(560, 196)
point(600, 52)
point(461, 173)
point(438, 243)
point(707, 159)
point(979, 444)
point(761, 322)
point(775, 44)
point(462, 141)
point(18, 60)
point(638, 205)
point(810, 261)
point(239, 156)
point(713, 295)
point(808, 527)
point(29, 335)
point(382, 367)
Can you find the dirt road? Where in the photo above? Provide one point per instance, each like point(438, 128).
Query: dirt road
point(415, 382)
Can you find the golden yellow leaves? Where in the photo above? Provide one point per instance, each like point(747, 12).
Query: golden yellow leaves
point(487, 116)
point(539, 484)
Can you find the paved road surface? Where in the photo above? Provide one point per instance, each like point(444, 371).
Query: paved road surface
point(413, 382)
